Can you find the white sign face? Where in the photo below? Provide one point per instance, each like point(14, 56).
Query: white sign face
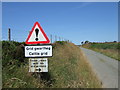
point(39, 35)
point(38, 51)
point(38, 65)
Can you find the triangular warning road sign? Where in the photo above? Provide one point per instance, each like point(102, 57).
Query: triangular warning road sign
point(37, 35)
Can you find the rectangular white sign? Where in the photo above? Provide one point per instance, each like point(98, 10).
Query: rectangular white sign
point(38, 65)
point(38, 51)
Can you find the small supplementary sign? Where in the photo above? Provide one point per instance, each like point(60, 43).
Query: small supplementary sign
point(37, 35)
point(38, 51)
point(38, 65)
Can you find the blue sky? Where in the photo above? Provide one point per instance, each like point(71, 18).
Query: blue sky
point(76, 21)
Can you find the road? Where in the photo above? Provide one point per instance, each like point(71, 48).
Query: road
point(105, 68)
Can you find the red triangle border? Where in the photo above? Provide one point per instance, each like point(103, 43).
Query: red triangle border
point(37, 42)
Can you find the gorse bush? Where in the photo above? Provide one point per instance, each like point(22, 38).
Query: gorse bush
point(15, 67)
point(12, 51)
point(8, 49)
point(19, 53)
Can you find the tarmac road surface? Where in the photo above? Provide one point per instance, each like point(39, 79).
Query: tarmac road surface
point(105, 67)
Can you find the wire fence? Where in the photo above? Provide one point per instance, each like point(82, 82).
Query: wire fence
point(52, 38)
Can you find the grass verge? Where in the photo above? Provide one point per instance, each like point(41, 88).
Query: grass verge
point(108, 49)
point(68, 68)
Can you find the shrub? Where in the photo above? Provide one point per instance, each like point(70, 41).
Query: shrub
point(12, 51)
point(61, 42)
point(19, 53)
point(8, 49)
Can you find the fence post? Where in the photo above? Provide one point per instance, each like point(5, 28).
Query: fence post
point(9, 34)
point(55, 38)
point(51, 38)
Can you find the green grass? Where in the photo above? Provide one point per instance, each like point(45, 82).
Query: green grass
point(110, 49)
point(68, 68)
point(15, 67)
point(19, 77)
point(104, 45)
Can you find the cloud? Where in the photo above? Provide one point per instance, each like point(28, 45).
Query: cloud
point(82, 5)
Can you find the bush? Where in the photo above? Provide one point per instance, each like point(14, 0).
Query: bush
point(8, 49)
point(19, 53)
point(12, 51)
point(61, 42)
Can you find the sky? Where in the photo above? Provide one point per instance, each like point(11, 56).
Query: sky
point(74, 21)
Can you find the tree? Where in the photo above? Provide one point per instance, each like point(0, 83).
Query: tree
point(86, 42)
point(82, 43)
point(114, 41)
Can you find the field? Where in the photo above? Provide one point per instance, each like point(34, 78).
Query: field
point(110, 49)
point(68, 68)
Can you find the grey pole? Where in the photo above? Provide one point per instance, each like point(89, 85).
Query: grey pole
point(51, 38)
